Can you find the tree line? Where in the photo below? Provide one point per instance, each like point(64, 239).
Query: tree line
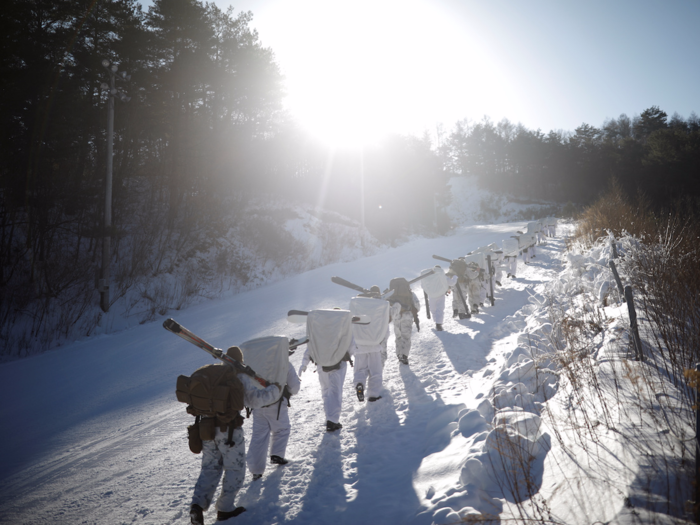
point(649, 153)
point(205, 131)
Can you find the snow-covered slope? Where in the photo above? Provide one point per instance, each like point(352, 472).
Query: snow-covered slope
point(93, 432)
point(470, 204)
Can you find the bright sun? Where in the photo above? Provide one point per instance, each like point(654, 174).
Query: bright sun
point(356, 71)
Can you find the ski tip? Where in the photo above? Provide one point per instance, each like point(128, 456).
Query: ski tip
point(297, 316)
point(172, 325)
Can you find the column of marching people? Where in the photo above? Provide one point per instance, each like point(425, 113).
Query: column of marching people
point(339, 337)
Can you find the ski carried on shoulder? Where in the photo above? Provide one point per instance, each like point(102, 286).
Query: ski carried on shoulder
point(388, 292)
point(421, 276)
point(348, 284)
point(299, 317)
point(442, 259)
point(358, 288)
point(296, 343)
point(171, 325)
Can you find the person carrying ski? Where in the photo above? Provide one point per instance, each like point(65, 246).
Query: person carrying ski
point(225, 453)
point(476, 274)
point(376, 293)
point(436, 287)
point(271, 427)
point(510, 255)
point(469, 288)
point(404, 312)
point(370, 339)
point(330, 342)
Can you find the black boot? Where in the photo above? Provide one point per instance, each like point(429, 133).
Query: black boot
point(360, 389)
point(223, 516)
point(332, 427)
point(277, 460)
point(196, 515)
point(455, 312)
point(438, 327)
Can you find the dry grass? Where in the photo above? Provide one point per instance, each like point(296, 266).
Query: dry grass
point(663, 271)
point(613, 212)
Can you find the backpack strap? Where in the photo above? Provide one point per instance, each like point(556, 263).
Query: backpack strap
point(279, 407)
point(229, 441)
point(286, 394)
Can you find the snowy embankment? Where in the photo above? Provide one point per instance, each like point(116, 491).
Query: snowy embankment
point(95, 434)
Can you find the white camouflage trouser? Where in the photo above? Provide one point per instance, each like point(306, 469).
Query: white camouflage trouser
point(437, 308)
point(332, 390)
point(498, 272)
point(512, 265)
point(524, 255)
point(218, 458)
point(456, 301)
point(483, 291)
point(369, 371)
point(266, 428)
point(403, 327)
point(474, 292)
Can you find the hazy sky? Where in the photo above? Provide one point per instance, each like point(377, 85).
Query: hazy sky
point(362, 67)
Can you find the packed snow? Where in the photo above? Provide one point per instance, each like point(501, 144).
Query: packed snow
point(94, 434)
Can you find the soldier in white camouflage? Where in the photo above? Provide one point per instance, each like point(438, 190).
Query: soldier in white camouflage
point(219, 456)
point(404, 312)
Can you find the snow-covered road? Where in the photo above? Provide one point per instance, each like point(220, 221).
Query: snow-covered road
point(94, 434)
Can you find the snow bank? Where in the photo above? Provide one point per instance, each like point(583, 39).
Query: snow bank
point(556, 418)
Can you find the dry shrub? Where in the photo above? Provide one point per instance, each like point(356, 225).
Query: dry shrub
point(662, 269)
point(615, 213)
point(665, 276)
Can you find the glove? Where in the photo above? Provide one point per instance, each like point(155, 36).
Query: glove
point(302, 369)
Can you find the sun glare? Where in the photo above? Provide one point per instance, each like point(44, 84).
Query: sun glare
point(356, 72)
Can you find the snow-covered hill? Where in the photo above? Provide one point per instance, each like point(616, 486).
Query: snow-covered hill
point(93, 433)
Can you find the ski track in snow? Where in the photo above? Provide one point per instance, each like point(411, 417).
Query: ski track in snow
point(116, 452)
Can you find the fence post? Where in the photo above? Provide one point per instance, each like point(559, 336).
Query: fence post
point(617, 280)
point(492, 272)
point(613, 245)
point(633, 324)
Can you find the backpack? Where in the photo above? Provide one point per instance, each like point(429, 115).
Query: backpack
point(402, 293)
point(268, 356)
point(459, 267)
point(330, 336)
point(435, 285)
point(378, 312)
point(212, 391)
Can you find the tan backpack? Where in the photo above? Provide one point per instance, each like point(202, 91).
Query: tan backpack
point(212, 391)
